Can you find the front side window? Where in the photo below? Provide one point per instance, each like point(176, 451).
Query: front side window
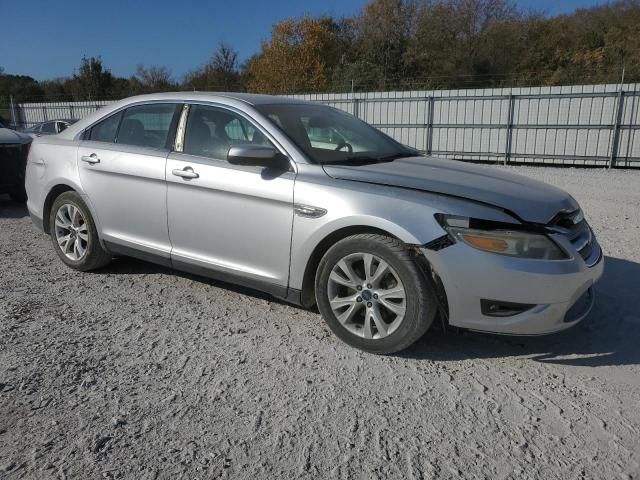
point(211, 131)
point(147, 125)
point(106, 130)
point(328, 135)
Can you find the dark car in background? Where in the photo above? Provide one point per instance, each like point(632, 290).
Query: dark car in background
point(14, 148)
point(52, 127)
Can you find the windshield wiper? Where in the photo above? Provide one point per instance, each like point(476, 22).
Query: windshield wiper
point(368, 159)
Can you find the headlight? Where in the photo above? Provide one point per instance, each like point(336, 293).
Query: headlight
point(500, 239)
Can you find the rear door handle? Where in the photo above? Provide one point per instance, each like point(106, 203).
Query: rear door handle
point(186, 172)
point(92, 159)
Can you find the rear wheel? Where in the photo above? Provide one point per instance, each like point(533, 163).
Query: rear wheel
point(373, 294)
point(74, 234)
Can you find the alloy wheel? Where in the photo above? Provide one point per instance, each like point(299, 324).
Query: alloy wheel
point(366, 295)
point(71, 232)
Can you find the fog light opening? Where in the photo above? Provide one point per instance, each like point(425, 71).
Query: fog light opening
point(496, 308)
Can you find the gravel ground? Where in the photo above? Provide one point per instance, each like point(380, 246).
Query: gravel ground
point(137, 371)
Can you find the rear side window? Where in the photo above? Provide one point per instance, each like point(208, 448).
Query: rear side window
point(147, 125)
point(106, 130)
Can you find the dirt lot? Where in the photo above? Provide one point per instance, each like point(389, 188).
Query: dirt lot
point(140, 372)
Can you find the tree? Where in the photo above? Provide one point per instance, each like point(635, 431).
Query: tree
point(592, 45)
point(382, 33)
point(220, 73)
point(153, 78)
point(300, 56)
point(21, 87)
point(464, 42)
point(92, 81)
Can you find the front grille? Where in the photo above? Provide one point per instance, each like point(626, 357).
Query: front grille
point(579, 234)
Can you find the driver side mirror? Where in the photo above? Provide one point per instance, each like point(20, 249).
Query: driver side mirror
point(258, 156)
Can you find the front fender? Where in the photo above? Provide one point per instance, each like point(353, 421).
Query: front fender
point(405, 214)
point(305, 244)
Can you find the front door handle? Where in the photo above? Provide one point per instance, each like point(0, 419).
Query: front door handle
point(92, 159)
point(186, 172)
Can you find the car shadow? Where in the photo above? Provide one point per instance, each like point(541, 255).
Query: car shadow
point(11, 209)
point(133, 266)
point(607, 337)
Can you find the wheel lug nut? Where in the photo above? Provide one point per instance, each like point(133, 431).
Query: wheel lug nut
point(375, 296)
point(369, 304)
point(359, 287)
point(368, 285)
point(359, 299)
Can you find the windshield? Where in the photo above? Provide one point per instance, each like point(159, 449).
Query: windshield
point(328, 135)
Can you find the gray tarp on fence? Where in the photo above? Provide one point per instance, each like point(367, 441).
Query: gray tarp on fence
point(595, 125)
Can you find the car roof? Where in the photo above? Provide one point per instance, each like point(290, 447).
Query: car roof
point(248, 98)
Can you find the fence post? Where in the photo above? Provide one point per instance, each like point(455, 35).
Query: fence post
point(354, 100)
point(430, 113)
point(356, 107)
point(616, 129)
point(507, 146)
point(14, 120)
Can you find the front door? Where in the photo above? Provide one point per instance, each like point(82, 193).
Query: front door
point(228, 218)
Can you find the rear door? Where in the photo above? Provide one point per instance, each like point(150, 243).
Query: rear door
point(228, 218)
point(122, 170)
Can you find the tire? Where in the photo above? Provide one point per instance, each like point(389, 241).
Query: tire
point(19, 196)
point(80, 230)
point(373, 322)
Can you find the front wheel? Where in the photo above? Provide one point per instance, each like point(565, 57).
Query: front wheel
point(373, 294)
point(74, 234)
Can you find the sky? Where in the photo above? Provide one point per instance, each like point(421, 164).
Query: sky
point(46, 39)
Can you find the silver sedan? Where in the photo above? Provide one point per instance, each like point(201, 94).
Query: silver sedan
point(314, 206)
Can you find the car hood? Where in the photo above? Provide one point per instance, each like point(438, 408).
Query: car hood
point(8, 136)
point(528, 199)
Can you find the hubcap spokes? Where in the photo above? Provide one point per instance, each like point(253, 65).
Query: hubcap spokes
point(71, 231)
point(366, 295)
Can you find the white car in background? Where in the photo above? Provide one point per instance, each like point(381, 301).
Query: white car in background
point(52, 127)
